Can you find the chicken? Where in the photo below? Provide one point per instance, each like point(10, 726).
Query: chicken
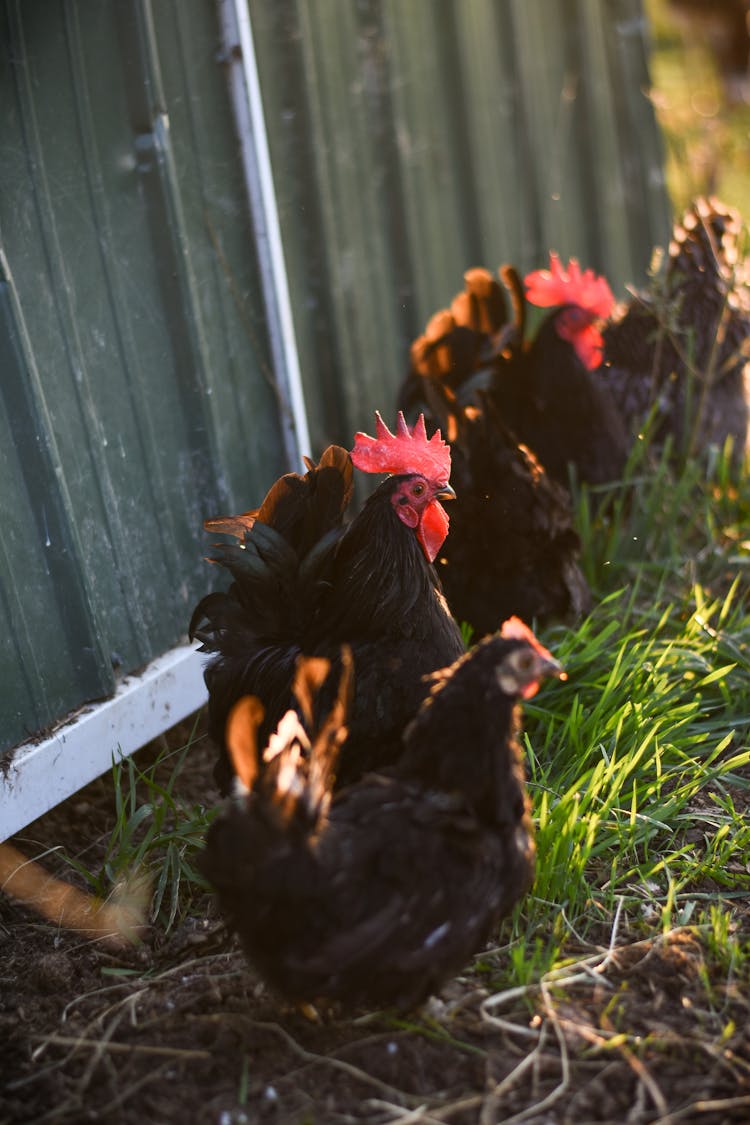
point(375, 895)
point(462, 346)
point(512, 549)
point(306, 583)
point(550, 393)
point(547, 391)
point(682, 346)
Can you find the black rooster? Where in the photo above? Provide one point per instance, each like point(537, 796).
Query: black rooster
point(377, 895)
point(512, 549)
point(306, 583)
point(549, 391)
point(682, 346)
point(546, 390)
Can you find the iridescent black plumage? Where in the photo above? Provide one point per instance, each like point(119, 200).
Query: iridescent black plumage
point(512, 547)
point(561, 409)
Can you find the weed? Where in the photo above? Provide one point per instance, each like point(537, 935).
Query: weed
point(155, 833)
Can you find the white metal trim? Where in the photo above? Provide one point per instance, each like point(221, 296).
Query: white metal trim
point(239, 52)
point(41, 775)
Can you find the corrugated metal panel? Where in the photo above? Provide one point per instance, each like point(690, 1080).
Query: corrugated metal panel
point(412, 140)
point(137, 393)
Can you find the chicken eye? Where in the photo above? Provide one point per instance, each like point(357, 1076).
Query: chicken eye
point(418, 489)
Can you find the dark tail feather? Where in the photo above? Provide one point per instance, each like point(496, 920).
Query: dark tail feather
point(305, 508)
point(482, 305)
point(459, 343)
point(517, 294)
point(300, 508)
point(279, 564)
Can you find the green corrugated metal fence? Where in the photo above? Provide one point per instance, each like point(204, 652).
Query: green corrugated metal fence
point(135, 390)
point(414, 138)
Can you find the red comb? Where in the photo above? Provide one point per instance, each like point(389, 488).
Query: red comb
point(406, 451)
point(557, 286)
point(514, 629)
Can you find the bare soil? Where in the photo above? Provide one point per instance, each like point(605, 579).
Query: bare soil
point(181, 1029)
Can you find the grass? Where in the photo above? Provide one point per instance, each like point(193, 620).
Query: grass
point(156, 834)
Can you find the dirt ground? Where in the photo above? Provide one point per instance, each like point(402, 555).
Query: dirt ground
point(182, 1030)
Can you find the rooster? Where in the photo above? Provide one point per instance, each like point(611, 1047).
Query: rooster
point(681, 347)
point(546, 390)
point(550, 392)
point(375, 895)
point(304, 582)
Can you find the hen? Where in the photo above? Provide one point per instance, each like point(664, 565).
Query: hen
point(682, 346)
point(306, 583)
point(376, 895)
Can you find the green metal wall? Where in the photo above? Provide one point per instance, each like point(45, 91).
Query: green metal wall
point(409, 140)
point(135, 392)
point(414, 138)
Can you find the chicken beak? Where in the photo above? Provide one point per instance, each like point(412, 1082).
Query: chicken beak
point(544, 667)
point(552, 667)
point(447, 492)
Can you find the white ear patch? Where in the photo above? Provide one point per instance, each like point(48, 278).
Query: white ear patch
point(518, 671)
